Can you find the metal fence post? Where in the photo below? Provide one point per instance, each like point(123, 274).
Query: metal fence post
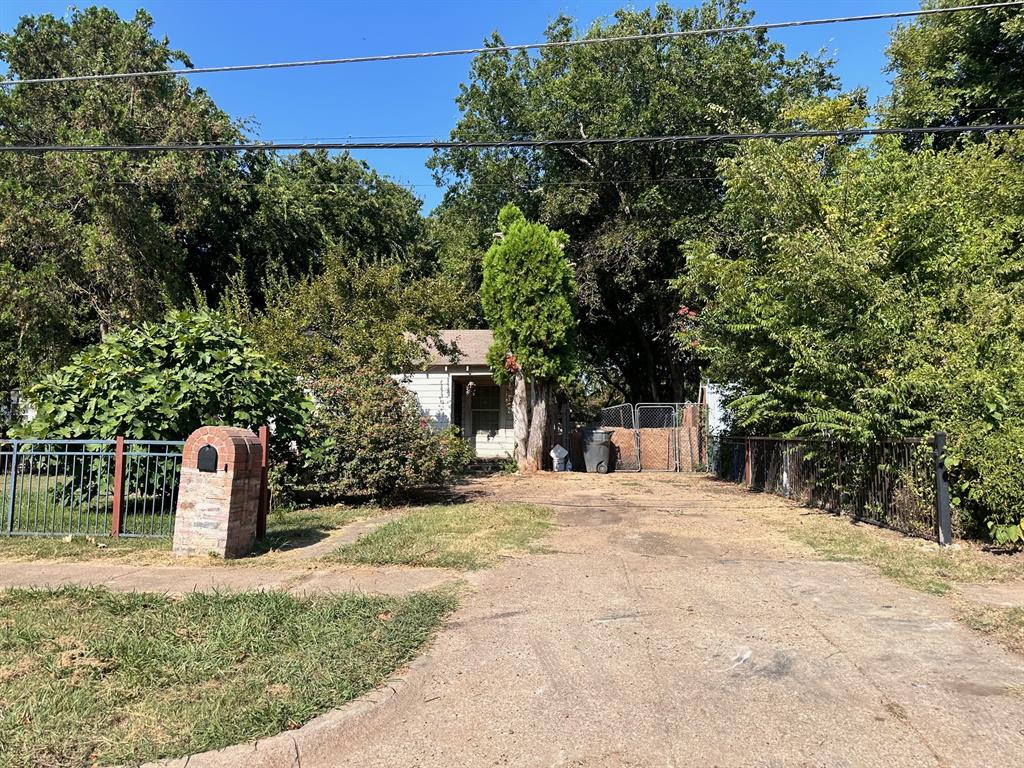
point(785, 469)
point(13, 487)
point(118, 499)
point(748, 473)
point(943, 516)
point(261, 519)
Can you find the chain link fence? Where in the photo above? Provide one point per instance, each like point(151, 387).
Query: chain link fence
point(658, 437)
point(620, 420)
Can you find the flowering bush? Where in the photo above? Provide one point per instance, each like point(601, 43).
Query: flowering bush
point(366, 436)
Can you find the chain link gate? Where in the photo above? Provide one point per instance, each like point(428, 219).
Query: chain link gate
point(621, 422)
point(658, 437)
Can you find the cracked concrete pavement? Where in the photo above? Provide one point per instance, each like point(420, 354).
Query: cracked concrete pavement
point(667, 626)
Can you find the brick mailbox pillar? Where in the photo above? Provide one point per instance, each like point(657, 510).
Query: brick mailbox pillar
point(219, 495)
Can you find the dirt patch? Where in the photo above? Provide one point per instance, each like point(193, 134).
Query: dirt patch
point(655, 544)
point(588, 516)
point(1007, 595)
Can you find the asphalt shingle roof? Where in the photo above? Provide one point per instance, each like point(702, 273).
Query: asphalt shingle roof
point(472, 346)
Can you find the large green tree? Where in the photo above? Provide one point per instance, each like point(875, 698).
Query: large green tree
point(89, 242)
point(302, 207)
point(863, 291)
point(957, 69)
point(626, 208)
point(529, 300)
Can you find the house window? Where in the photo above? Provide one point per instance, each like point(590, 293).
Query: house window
point(486, 408)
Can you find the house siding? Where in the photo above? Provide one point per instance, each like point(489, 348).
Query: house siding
point(433, 389)
point(434, 393)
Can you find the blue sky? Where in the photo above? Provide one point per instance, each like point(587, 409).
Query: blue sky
point(414, 99)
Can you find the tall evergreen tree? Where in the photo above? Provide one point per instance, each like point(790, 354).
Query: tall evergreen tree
point(529, 300)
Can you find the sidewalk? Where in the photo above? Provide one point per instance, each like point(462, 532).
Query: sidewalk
point(184, 579)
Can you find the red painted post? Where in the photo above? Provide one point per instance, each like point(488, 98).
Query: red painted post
point(118, 500)
point(261, 520)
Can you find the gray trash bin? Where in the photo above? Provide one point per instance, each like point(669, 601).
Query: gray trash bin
point(597, 450)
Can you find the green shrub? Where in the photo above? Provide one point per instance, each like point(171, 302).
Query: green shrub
point(366, 436)
point(161, 381)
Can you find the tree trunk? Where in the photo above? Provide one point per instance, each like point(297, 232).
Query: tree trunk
point(520, 419)
point(538, 425)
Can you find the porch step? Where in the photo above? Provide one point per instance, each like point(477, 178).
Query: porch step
point(483, 467)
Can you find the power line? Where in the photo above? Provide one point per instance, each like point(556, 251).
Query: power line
point(509, 144)
point(520, 47)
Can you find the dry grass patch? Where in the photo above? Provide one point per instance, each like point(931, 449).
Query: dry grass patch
point(89, 676)
point(918, 564)
point(1005, 624)
point(462, 536)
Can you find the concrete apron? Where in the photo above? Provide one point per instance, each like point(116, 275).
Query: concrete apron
point(670, 628)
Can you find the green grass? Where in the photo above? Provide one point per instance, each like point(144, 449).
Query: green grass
point(285, 530)
point(462, 536)
point(79, 548)
point(297, 527)
point(90, 676)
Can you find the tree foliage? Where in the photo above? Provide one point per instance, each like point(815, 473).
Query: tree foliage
point(529, 299)
point(356, 316)
point(308, 211)
point(161, 381)
point(958, 69)
point(626, 208)
point(866, 291)
point(91, 242)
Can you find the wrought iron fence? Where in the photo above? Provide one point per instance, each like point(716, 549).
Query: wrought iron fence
point(89, 487)
point(892, 483)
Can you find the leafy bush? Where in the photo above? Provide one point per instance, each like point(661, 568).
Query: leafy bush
point(366, 436)
point(164, 380)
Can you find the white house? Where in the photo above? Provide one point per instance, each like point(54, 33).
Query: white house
point(465, 395)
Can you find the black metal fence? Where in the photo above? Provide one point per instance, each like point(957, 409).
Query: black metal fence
point(89, 487)
point(898, 484)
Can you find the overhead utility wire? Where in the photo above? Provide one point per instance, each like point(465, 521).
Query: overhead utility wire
point(511, 144)
point(520, 47)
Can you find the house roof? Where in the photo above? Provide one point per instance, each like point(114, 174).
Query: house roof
point(472, 346)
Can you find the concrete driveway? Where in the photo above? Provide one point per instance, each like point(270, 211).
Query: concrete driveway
point(667, 626)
